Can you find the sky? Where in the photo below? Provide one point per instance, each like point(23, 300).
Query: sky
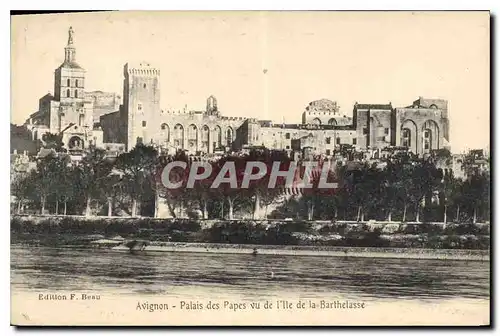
point(270, 65)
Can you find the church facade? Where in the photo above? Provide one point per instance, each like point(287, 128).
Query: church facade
point(69, 110)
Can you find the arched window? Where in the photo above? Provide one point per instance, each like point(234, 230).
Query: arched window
point(430, 136)
point(193, 136)
point(218, 136)
point(229, 137)
point(76, 93)
point(68, 93)
point(76, 82)
point(316, 121)
point(205, 138)
point(406, 138)
point(165, 132)
point(179, 136)
point(144, 85)
point(427, 140)
point(75, 143)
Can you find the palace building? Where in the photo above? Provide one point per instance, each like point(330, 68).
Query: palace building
point(422, 126)
point(104, 120)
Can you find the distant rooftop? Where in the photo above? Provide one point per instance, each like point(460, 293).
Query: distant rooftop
point(374, 106)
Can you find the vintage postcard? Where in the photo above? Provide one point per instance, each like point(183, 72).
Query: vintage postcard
point(251, 168)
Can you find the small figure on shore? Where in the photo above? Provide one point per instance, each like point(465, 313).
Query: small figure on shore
point(254, 252)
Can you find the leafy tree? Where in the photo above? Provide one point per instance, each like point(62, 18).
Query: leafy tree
point(112, 186)
point(53, 141)
point(45, 179)
point(361, 189)
point(91, 174)
point(422, 184)
point(231, 194)
point(177, 198)
point(476, 193)
point(61, 171)
point(402, 184)
point(318, 198)
point(139, 168)
point(259, 190)
point(21, 186)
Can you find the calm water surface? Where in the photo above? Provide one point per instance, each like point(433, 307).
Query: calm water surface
point(43, 269)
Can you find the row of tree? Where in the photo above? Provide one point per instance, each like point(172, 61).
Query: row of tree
point(403, 188)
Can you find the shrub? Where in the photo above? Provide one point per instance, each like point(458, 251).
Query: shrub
point(298, 226)
point(430, 229)
point(17, 225)
point(333, 229)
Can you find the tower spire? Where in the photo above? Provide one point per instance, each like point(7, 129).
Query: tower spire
point(70, 50)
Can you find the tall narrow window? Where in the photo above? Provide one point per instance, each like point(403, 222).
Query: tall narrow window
point(229, 137)
point(68, 93)
point(427, 139)
point(406, 138)
point(165, 132)
point(354, 141)
point(76, 82)
point(68, 82)
point(76, 93)
point(81, 119)
point(144, 123)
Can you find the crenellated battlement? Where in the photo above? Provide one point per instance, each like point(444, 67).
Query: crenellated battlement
point(141, 69)
point(233, 118)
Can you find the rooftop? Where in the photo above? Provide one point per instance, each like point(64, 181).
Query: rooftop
point(71, 65)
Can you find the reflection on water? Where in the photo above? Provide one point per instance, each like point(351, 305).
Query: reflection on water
point(45, 269)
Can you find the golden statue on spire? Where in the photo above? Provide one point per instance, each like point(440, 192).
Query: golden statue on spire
point(70, 35)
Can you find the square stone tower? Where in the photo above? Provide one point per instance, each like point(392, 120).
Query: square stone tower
point(141, 103)
point(69, 83)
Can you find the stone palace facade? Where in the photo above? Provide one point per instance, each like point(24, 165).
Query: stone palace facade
point(103, 120)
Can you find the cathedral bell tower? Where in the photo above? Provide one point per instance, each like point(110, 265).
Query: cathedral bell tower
point(69, 78)
point(69, 108)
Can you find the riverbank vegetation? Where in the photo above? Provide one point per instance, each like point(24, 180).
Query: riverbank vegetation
point(399, 188)
point(61, 230)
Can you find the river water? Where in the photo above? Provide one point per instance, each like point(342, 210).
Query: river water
point(202, 277)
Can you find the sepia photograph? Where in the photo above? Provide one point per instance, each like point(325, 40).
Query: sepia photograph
point(250, 168)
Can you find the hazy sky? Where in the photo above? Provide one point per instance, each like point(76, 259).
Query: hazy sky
point(368, 57)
